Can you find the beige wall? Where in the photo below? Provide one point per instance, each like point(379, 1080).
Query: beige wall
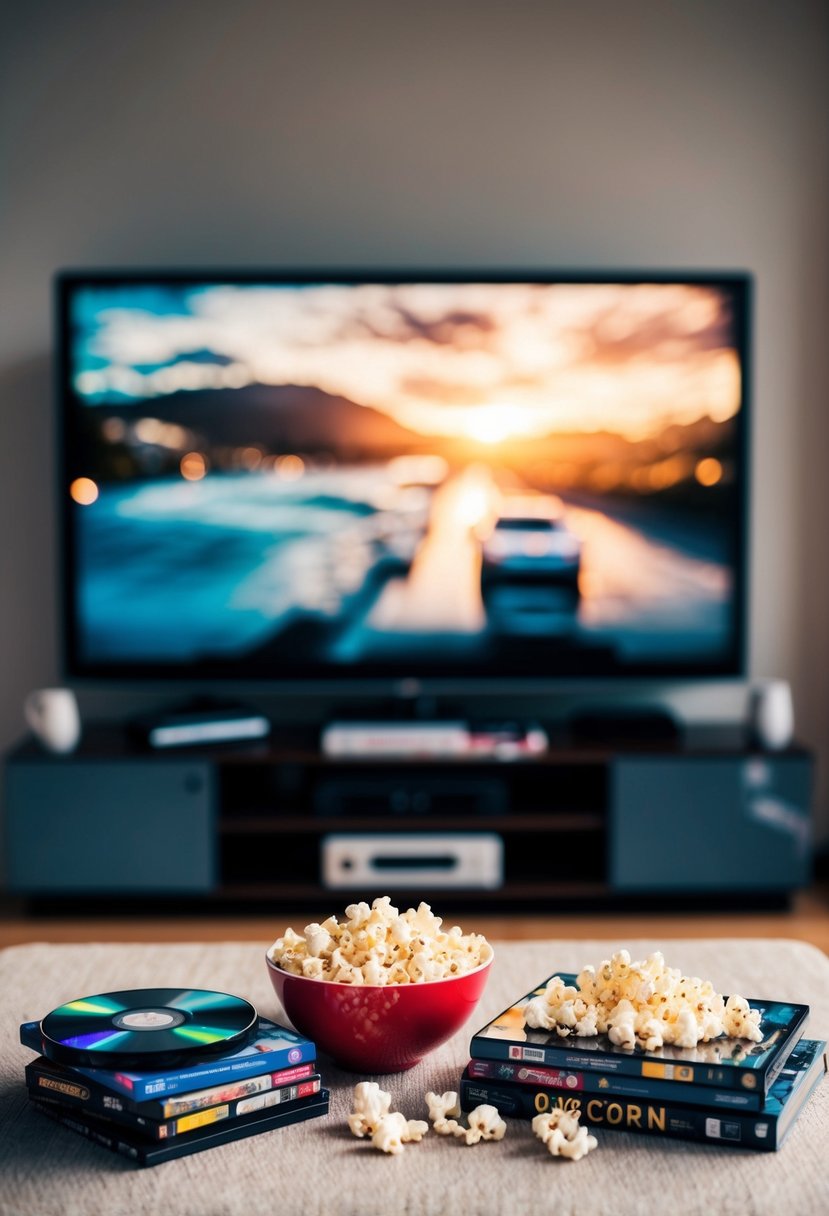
point(662, 134)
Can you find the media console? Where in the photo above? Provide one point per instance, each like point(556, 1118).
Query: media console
point(277, 824)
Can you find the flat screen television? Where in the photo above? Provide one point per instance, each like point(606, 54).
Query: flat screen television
point(457, 477)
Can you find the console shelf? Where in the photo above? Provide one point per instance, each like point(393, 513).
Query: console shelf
point(705, 817)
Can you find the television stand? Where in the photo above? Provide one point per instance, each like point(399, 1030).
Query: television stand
point(703, 819)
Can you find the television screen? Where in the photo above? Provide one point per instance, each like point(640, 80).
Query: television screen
point(271, 477)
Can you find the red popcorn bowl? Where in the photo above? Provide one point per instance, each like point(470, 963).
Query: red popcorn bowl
point(370, 1028)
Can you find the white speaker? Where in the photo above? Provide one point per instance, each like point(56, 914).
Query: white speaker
point(54, 718)
point(771, 714)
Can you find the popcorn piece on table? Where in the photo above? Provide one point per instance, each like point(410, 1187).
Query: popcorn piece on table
point(371, 1105)
point(416, 1129)
point(372, 1116)
point(442, 1106)
point(485, 1123)
point(394, 1130)
point(443, 1111)
point(561, 1132)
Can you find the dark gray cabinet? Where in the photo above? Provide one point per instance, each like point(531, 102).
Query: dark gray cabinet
point(708, 824)
point(110, 826)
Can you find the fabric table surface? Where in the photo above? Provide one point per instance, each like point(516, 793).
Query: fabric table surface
point(319, 1168)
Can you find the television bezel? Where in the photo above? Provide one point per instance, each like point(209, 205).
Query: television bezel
point(411, 679)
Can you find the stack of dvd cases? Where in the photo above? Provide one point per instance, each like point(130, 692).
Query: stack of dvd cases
point(159, 1098)
point(727, 1091)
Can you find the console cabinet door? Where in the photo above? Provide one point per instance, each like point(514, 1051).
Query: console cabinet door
point(110, 827)
point(719, 824)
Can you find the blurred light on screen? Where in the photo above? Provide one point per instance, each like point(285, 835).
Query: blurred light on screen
point(193, 466)
point(290, 468)
point(708, 472)
point(83, 491)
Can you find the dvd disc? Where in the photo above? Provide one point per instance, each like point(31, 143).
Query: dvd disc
point(147, 1027)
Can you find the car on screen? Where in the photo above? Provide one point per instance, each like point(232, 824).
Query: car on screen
point(529, 543)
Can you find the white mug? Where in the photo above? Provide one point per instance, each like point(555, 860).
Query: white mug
point(772, 714)
point(52, 714)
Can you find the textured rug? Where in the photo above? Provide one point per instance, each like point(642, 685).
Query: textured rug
point(318, 1168)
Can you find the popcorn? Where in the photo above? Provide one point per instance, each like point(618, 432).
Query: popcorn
point(416, 1129)
point(357, 913)
point(400, 933)
point(740, 1021)
point(621, 1025)
point(312, 967)
point(389, 1130)
point(560, 1131)
point(394, 1130)
point(389, 1133)
point(379, 945)
point(373, 972)
point(441, 1107)
point(644, 1003)
point(371, 1105)
point(485, 1123)
point(317, 939)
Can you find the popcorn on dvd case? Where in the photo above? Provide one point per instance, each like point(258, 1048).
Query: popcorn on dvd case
point(723, 1063)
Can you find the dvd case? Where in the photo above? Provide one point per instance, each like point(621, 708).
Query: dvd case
point(52, 1080)
point(569, 1082)
point(723, 1063)
point(764, 1130)
point(164, 1129)
point(275, 1047)
point(148, 1152)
